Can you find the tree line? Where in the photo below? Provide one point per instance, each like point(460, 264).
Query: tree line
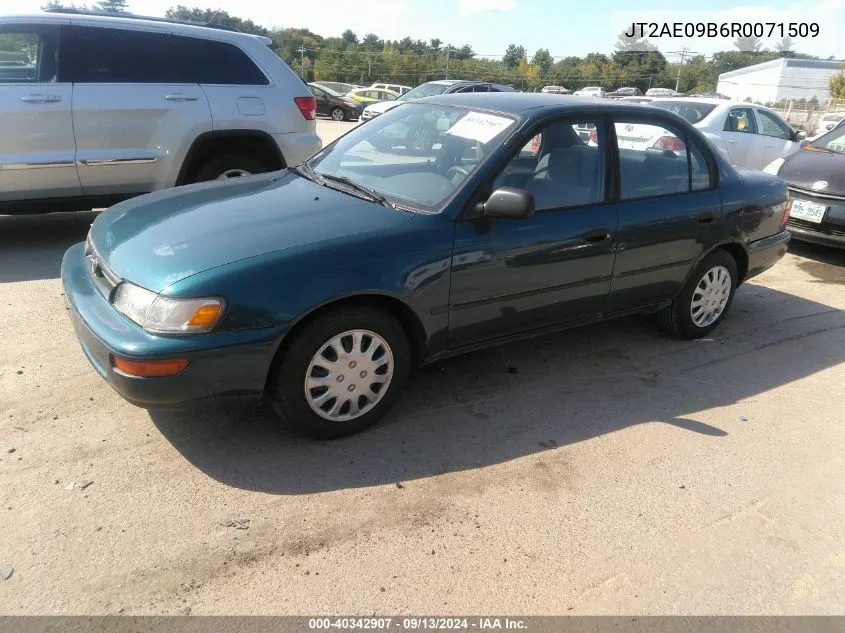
point(369, 58)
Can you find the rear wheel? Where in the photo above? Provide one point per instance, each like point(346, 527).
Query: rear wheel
point(341, 373)
point(225, 165)
point(338, 114)
point(704, 300)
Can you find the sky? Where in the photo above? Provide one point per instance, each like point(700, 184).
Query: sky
point(564, 27)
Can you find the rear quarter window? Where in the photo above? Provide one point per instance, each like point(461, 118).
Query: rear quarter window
point(211, 62)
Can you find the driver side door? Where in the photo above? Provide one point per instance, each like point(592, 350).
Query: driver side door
point(516, 275)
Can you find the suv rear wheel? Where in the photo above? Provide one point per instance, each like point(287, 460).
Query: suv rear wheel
point(225, 165)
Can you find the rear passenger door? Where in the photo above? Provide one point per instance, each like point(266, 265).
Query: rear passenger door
point(669, 214)
point(132, 112)
point(745, 146)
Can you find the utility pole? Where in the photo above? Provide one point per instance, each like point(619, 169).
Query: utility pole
point(302, 50)
point(448, 50)
point(683, 52)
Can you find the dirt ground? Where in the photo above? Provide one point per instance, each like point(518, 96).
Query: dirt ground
point(598, 471)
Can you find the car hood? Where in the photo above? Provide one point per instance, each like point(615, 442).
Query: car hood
point(161, 238)
point(383, 106)
point(807, 167)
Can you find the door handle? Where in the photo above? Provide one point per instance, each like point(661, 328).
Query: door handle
point(731, 141)
point(707, 217)
point(180, 97)
point(597, 235)
point(41, 99)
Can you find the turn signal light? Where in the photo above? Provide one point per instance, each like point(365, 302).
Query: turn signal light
point(205, 315)
point(787, 209)
point(670, 143)
point(148, 368)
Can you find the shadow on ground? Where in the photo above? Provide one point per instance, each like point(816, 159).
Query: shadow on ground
point(32, 246)
point(497, 405)
point(824, 263)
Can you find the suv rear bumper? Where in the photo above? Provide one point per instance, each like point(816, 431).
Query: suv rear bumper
point(297, 147)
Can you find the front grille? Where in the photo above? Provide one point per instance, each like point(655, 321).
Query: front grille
point(824, 229)
point(816, 194)
point(103, 277)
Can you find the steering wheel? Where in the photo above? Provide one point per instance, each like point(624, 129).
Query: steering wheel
point(457, 169)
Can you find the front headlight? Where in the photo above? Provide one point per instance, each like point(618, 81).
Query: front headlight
point(166, 315)
point(773, 167)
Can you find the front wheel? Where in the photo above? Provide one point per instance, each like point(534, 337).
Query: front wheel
point(704, 300)
point(341, 373)
point(226, 165)
point(338, 114)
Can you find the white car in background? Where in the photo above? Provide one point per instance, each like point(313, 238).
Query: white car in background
point(750, 136)
point(828, 122)
point(661, 92)
point(591, 91)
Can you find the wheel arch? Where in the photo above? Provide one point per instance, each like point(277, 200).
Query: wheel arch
point(406, 316)
point(209, 143)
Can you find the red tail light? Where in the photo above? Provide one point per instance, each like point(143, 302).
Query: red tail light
point(594, 137)
point(787, 209)
point(308, 107)
point(670, 143)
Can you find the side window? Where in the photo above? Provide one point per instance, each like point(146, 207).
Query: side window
point(482, 88)
point(104, 55)
point(741, 120)
point(653, 161)
point(216, 63)
point(558, 167)
point(28, 54)
point(770, 125)
point(699, 170)
point(465, 89)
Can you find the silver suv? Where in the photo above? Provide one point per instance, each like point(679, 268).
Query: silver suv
point(99, 108)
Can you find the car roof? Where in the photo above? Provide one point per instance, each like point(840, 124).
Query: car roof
point(95, 18)
point(519, 103)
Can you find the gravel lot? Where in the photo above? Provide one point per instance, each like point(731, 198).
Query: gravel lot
point(602, 470)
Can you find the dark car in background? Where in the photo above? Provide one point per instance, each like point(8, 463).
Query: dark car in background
point(335, 105)
point(320, 287)
point(815, 175)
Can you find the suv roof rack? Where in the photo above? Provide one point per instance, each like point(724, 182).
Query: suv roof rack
point(132, 16)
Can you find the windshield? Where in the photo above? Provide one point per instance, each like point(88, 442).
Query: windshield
point(833, 141)
point(425, 90)
point(692, 111)
point(416, 156)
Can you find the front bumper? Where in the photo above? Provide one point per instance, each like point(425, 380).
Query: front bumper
point(222, 364)
point(830, 231)
point(765, 253)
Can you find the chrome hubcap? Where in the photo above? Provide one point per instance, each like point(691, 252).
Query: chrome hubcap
point(233, 173)
point(337, 115)
point(710, 296)
point(349, 375)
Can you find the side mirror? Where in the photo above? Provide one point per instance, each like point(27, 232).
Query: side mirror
point(800, 135)
point(508, 203)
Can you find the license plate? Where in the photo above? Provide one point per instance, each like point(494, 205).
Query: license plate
point(808, 211)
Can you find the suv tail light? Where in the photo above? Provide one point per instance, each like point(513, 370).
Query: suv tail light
point(787, 209)
point(670, 143)
point(308, 107)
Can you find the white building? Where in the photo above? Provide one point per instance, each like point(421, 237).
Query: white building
point(779, 80)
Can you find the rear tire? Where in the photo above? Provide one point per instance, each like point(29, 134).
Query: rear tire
point(704, 300)
point(325, 394)
point(234, 164)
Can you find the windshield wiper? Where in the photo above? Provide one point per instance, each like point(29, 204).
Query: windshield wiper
point(306, 171)
point(372, 194)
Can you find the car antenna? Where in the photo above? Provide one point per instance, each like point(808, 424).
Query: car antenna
point(214, 17)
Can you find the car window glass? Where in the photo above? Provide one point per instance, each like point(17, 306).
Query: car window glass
point(465, 89)
point(562, 166)
point(122, 56)
point(28, 54)
point(417, 155)
point(771, 126)
point(740, 120)
point(652, 160)
point(210, 62)
point(699, 170)
point(481, 88)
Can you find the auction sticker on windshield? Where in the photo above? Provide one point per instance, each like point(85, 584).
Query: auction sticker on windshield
point(479, 126)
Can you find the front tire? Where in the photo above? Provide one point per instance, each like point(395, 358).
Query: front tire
point(704, 300)
point(338, 114)
point(341, 373)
